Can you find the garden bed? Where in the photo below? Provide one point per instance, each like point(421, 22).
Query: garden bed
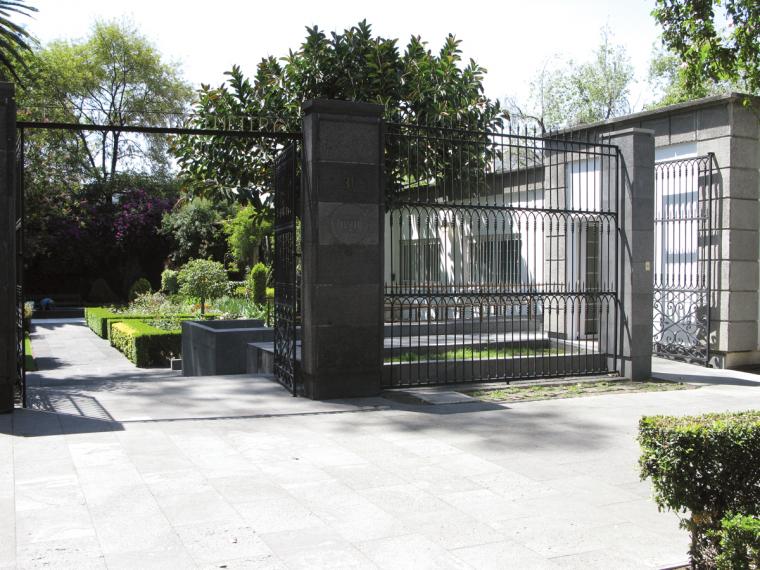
point(559, 390)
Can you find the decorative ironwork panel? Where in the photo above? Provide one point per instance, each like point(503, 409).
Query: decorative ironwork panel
point(501, 256)
point(20, 386)
point(683, 259)
point(286, 305)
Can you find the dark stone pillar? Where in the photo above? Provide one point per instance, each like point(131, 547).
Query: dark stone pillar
point(8, 332)
point(636, 278)
point(342, 220)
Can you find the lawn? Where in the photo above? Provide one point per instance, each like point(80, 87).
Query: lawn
point(575, 390)
point(29, 363)
point(472, 354)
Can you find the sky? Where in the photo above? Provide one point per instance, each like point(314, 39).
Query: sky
point(512, 39)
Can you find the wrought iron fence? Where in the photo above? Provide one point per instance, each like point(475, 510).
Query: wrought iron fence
point(684, 196)
point(501, 256)
point(286, 289)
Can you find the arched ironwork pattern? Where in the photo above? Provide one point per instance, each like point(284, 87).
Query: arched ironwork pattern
point(501, 254)
point(683, 257)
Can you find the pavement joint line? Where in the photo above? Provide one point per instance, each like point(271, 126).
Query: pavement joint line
point(259, 416)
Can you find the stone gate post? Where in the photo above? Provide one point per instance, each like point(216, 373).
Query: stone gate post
point(8, 341)
point(342, 208)
point(636, 253)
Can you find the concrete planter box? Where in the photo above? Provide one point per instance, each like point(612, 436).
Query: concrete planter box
point(219, 347)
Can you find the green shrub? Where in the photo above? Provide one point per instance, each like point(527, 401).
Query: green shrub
point(270, 292)
point(240, 291)
point(97, 319)
point(100, 292)
point(139, 287)
point(144, 345)
point(257, 279)
point(739, 540)
point(169, 282)
point(706, 466)
point(203, 279)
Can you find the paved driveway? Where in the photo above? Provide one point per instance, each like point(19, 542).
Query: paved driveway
point(278, 482)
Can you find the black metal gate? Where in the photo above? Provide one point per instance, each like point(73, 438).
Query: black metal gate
point(20, 388)
point(501, 256)
point(286, 287)
point(683, 259)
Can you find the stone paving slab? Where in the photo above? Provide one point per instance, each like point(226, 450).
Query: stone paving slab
point(549, 484)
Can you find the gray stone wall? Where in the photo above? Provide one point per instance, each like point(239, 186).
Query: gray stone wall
point(729, 129)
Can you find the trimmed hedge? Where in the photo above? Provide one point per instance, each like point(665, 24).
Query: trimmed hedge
point(144, 345)
point(704, 465)
point(102, 319)
point(739, 537)
point(96, 318)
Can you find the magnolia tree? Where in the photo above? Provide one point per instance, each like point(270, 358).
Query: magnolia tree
point(415, 85)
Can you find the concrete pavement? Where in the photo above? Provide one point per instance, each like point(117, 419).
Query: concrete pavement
point(282, 482)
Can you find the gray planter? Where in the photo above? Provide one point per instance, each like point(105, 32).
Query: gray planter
point(219, 347)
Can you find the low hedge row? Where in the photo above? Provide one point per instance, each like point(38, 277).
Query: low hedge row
point(102, 319)
point(144, 345)
point(706, 466)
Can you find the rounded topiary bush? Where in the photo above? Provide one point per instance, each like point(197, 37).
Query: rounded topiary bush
point(203, 279)
point(258, 282)
point(170, 282)
point(139, 287)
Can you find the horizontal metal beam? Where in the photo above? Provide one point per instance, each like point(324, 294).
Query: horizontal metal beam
point(287, 135)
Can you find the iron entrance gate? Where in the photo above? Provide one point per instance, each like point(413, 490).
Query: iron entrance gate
point(683, 259)
point(501, 256)
point(286, 287)
point(175, 125)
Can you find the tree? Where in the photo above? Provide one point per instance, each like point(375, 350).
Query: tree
point(669, 80)
point(246, 232)
point(114, 77)
point(722, 48)
point(583, 93)
point(416, 86)
point(15, 42)
point(203, 279)
point(196, 230)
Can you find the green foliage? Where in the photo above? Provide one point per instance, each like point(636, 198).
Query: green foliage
point(717, 40)
point(257, 280)
point(101, 292)
point(739, 539)
point(416, 86)
point(140, 287)
point(245, 231)
point(668, 78)
point(15, 41)
point(705, 465)
point(236, 308)
point(97, 317)
point(157, 304)
point(169, 282)
point(203, 279)
point(29, 364)
point(115, 77)
point(144, 345)
point(575, 94)
point(196, 230)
